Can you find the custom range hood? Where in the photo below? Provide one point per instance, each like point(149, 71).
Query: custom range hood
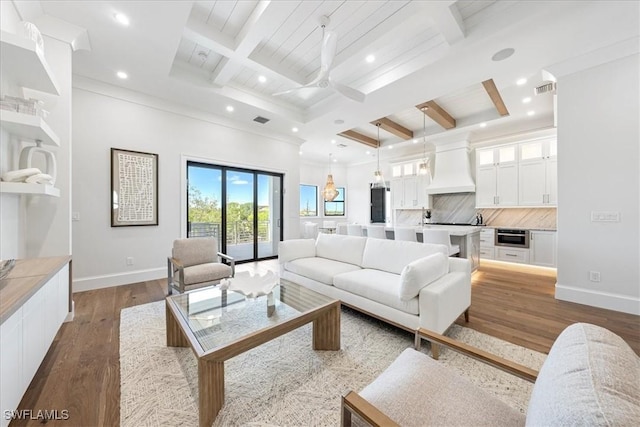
point(452, 172)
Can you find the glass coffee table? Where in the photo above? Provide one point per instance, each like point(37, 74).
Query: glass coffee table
point(219, 325)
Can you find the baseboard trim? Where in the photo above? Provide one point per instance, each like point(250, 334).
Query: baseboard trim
point(599, 299)
point(118, 279)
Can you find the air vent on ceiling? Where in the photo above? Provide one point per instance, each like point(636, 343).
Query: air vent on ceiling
point(547, 87)
point(261, 119)
point(341, 145)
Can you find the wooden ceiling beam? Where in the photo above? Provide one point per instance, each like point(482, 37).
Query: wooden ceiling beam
point(358, 137)
point(394, 128)
point(437, 114)
point(494, 94)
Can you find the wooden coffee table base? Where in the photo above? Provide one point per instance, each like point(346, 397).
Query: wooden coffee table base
point(326, 336)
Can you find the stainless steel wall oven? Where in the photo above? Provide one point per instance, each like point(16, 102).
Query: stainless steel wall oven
point(512, 238)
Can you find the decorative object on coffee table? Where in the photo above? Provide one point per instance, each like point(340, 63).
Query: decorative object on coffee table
point(251, 286)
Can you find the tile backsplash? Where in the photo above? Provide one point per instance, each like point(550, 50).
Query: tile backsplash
point(460, 208)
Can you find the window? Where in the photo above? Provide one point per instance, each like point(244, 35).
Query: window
point(308, 200)
point(336, 207)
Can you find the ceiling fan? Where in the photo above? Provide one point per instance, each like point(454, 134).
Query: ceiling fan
point(323, 80)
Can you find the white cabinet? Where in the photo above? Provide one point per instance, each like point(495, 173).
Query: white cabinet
point(497, 177)
point(512, 254)
point(27, 334)
point(542, 248)
point(408, 189)
point(24, 65)
point(538, 163)
point(487, 246)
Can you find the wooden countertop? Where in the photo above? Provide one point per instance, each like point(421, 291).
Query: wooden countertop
point(26, 278)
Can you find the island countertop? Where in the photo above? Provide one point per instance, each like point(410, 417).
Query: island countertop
point(24, 280)
point(454, 230)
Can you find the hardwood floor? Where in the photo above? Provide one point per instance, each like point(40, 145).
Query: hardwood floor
point(81, 372)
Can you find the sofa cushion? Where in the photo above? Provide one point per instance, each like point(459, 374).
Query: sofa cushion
point(296, 248)
point(394, 255)
point(421, 272)
point(319, 269)
point(591, 377)
point(341, 248)
point(376, 285)
point(417, 391)
point(206, 272)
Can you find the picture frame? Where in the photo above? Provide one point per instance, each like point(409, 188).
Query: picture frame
point(134, 188)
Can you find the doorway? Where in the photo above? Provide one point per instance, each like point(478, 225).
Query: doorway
point(242, 208)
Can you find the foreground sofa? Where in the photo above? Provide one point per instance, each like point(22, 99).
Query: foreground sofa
point(408, 284)
point(591, 377)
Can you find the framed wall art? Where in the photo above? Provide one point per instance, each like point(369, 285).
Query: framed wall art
point(134, 188)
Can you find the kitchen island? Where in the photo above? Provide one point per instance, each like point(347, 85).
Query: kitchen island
point(467, 236)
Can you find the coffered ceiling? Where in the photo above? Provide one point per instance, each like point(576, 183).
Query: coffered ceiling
point(213, 54)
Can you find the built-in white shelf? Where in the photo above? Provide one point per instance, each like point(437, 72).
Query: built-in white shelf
point(24, 188)
point(28, 126)
point(24, 65)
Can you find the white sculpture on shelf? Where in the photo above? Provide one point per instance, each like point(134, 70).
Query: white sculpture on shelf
point(26, 162)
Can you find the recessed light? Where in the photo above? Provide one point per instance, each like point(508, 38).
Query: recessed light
point(526, 100)
point(333, 141)
point(503, 54)
point(262, 79)
point(390, 147)
point(335, 160)
point(415, 141)
point(122, 75)
point(370, 58)
point(530, 113)
point(300, 152)
point(230, 108)
point(483, 125)
point(122, 19)
point(521, 81)
point(368, 152)
point(294, 129)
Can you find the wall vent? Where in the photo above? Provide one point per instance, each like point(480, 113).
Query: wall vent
point(547, 87)
point(261, 119)
point(341, 145)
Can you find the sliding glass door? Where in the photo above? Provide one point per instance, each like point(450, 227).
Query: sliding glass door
point(241, 207)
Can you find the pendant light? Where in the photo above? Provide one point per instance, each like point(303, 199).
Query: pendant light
point(329, 193)
point(423, 167)
point(378, 173)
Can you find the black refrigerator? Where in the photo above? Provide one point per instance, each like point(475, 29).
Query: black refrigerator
point(378, 208)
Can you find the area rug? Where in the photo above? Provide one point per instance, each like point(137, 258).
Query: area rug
point(285, 382)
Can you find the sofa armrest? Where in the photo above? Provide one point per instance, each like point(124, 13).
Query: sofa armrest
point(353, 403)
point(508, 366)
point(459, 265)
point(442, 301)
point(288, 250)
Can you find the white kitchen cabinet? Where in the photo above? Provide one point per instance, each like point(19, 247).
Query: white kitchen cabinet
point(487, 243)
point(512, 254)
point(409, 190)
point(538, 173)
point(11, 389)
point(542, 248)
point(497, 177)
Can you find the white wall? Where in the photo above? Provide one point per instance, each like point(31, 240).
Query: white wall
point(598, 170)
point(106, 117)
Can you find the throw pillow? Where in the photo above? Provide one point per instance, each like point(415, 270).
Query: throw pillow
point(421, 272)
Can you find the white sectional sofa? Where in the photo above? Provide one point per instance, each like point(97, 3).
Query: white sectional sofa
point(408, 284)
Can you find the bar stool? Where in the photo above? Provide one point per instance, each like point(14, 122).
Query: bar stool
point(376, 232)
point(354, 230)
point(405, 233)
point(440, 237)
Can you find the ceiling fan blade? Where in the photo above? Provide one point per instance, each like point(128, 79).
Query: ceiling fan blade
point(347, 91)
point(328, 51)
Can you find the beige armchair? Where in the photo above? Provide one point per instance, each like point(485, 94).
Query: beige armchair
point(195, 263)
point(590, 377)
